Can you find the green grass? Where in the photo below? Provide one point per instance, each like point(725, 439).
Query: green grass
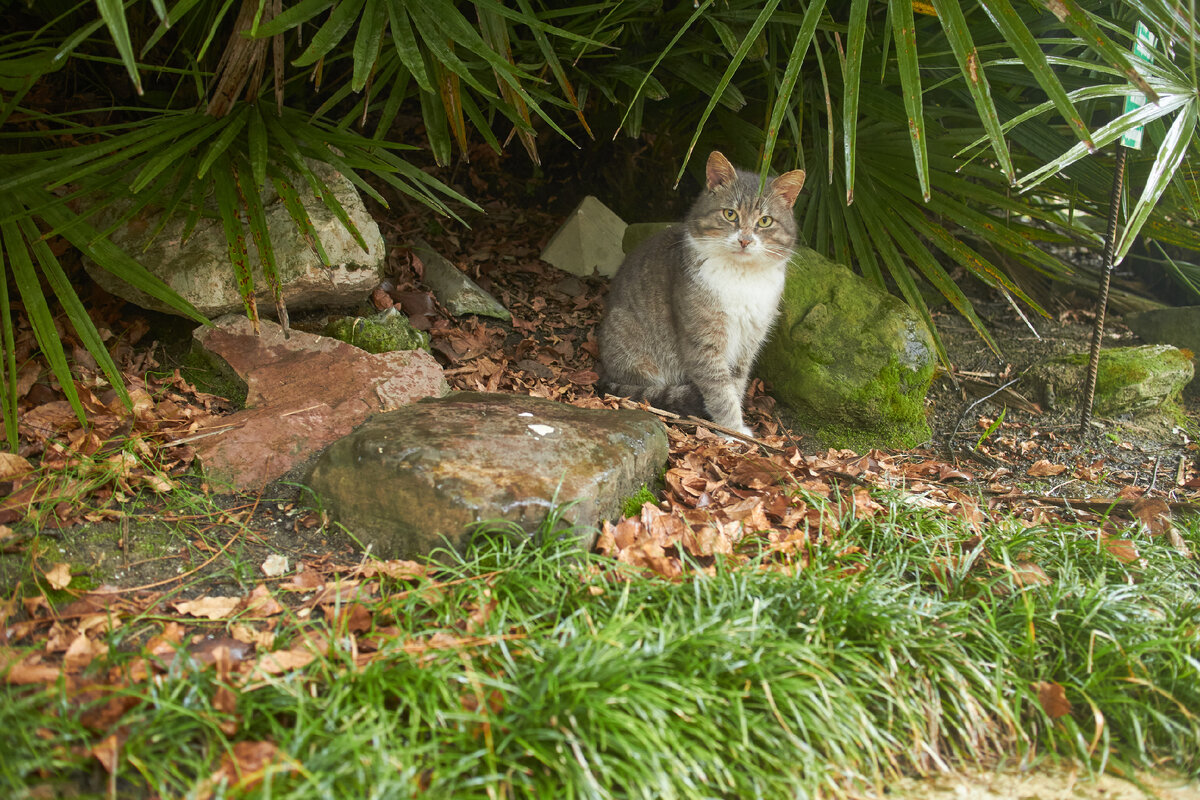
point(631, 506)
point(903, 646)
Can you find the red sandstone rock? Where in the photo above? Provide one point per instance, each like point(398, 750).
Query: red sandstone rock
point(304, 392)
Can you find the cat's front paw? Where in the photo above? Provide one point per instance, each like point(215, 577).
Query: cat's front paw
point(740, 428)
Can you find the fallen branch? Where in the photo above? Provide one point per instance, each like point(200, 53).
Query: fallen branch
point(695, 422)
point(1089, 503)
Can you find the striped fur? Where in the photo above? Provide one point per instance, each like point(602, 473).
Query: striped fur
point(690, 307)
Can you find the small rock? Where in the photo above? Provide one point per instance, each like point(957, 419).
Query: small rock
point(852, 361)
point(1179, 326)
point(381, 299)
point(383, 333)
point(588, 242)
point(199, 269)
point(458, 293)
point(1128, 379)
point(570, 286)
point(303, 392)
point(414, 480)
point(536, 368)
point(275, 565)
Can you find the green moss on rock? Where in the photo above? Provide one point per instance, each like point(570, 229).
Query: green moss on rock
point(1128, 379)
point(382, 333)
point(851, 362)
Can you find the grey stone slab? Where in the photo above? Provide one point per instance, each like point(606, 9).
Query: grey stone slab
point(457, 292)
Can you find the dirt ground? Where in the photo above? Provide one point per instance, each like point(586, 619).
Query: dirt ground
point(1041, 783)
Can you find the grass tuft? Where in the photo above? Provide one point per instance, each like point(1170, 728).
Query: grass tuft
point(911, 643)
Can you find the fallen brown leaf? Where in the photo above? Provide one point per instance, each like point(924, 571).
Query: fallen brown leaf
point(59, 576)
point(304, 581)
point(1053, 698)
point(82, 652)
point(1043, 469)
point(107, 752)
point(1121, 549)
point(208, 607)
point(1153, 513)
point(397, 569)
point(244, 768)
point(26, 669)
point(13, 465)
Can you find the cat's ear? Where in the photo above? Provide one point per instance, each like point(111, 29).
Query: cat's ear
point(719, 171)
point(788, 185)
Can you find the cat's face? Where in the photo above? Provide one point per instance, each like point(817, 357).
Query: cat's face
point(733, 220)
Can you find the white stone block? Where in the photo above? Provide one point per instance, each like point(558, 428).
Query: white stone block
point(589, 241)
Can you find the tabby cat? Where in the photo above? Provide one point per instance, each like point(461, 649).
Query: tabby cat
point(690, 307)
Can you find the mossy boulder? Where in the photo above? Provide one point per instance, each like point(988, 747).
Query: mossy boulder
point(852, 362)
point(382, 333)
point(1128, 379)
point(639, 232)
point(1179, 325)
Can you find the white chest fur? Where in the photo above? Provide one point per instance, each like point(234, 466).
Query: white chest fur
point(746, 287)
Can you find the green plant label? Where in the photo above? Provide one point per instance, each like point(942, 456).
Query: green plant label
point(1143, 41)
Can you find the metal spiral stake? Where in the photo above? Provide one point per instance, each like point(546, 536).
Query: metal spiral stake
point(1110, 244)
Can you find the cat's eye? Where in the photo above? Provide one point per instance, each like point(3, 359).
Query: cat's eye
point(765, 222)
point(729, 214)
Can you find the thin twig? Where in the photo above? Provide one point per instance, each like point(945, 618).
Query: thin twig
point(968, 409)
point(302, 410)
point(706, 423)
point(1090, 503)
point(205, 435)
point(696, 422)
point(786, 430)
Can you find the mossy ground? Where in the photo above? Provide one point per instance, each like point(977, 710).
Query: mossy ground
point(211, 374)
point(633, 504)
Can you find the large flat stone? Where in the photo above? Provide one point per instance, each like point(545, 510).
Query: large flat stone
point(424, 476)
point(303, 393)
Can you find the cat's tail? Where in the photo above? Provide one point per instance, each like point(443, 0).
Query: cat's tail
point(680, 398)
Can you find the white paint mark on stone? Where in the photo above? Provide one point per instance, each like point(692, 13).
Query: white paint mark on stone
point(541, 430)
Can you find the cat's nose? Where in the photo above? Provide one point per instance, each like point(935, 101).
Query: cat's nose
point(744, 241)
